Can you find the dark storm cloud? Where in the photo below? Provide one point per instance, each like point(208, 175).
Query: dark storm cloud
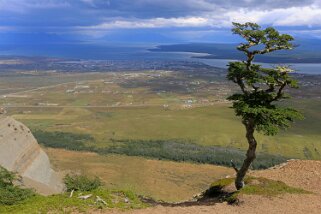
point(98, 17)
point(84, 11)
point(174, 8)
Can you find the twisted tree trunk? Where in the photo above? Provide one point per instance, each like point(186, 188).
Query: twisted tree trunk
point(250, 154)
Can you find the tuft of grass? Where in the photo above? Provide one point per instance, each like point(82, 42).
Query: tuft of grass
point(268, 187)
point(223, 182)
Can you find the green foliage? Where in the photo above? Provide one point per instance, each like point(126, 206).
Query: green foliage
point(187, 151)
point(175, 150)
point(267, 118)
point(270, 38)
point(81, 183)
point(262, 87)
point(66, 140)
point(6, 177)
point(10, 194)
point(14, 199)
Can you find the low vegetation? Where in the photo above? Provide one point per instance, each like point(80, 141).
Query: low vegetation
point(66, 140)
point(14, 199)
point(175, 150)
point(62, 203)
point(11, 194)
point(81, 183)
point(187, 151)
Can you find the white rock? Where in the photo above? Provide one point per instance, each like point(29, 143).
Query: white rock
point(21, 153)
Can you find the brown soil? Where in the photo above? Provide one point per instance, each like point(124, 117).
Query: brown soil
point(297, 173)
point(161, 180)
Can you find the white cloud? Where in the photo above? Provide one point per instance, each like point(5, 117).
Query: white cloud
point(300, 16)
point(98, 17)
point(294, 16)
point(152, 23)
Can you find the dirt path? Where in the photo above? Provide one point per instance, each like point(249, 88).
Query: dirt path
point(297, 173)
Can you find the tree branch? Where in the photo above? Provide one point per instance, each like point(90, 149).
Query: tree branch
point(234, 166)
point(271, 49)
point(242, 85)
point(279, 94)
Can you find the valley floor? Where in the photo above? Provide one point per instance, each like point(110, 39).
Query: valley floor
point(297, 173)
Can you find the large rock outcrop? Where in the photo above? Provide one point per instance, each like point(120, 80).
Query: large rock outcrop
point(20, 152)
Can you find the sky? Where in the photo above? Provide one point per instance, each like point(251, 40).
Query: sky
point(150, 21)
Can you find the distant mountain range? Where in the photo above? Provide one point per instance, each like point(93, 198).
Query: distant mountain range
point(306, 51)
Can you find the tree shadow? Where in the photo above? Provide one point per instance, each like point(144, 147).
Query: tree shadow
point(209, 197)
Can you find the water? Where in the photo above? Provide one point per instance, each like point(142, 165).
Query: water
point(117, 52)
point(302, 68)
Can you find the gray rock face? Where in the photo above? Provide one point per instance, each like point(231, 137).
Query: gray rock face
point(21, 153)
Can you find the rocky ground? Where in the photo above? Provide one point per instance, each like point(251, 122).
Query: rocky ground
point(296, 173)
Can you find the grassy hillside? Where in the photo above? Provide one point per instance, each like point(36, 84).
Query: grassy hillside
point(163, 180)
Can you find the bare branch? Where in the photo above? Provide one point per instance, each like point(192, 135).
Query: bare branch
point(234, 166)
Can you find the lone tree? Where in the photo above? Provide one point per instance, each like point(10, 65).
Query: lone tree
point(260, 88)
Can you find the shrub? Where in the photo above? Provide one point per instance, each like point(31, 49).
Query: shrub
point(65, 140)
point(188, 151)
point(6, 177)
point(81, 183)
point(10, 194)
point(13, 194)
point(175, 150)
